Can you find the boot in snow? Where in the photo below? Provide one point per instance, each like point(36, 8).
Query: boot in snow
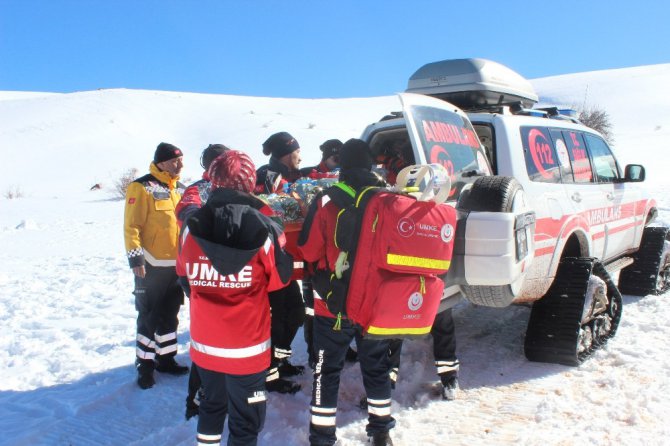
point(171, 367)
point(380, 439)
point(287, 369)
point(281, 385)
point(145, 374)
point(450, 388)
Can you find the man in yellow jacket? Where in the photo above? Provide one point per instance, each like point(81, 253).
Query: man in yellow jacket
point(151, 236)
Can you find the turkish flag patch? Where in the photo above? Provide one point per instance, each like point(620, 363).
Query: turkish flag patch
point(131, 200)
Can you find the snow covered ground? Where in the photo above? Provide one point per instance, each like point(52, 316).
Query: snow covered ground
point(68, 317)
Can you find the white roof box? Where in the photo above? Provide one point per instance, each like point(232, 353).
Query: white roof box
point(472, 83)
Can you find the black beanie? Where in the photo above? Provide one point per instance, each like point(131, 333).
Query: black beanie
point(330, 148)
point(355, 153)
point(165, 152)
point(210, 153)
point(280, 144)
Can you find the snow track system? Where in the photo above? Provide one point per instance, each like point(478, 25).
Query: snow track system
point(650, 271)
point(579, 313)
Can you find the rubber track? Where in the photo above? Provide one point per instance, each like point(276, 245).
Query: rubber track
point(639, 279)
point(555, 320)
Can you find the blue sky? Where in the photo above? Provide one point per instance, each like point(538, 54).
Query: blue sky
point(311, 49)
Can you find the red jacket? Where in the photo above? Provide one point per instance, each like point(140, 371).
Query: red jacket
point(228, 262)
point(317, 244)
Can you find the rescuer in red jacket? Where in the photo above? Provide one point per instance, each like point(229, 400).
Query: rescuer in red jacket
point(333, 334)
point(231, 256)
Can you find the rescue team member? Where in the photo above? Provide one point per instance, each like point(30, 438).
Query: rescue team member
point(230, 257)
point(151, 236)
point(330, 160)
point(330, 163)
point(196, 194)
point(193, 198)
point(330, 340)
point(288, 308)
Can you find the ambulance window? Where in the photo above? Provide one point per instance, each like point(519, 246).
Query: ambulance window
point(579, 157)
point(486, 137)
point(604, 163)
point(562, 154)
point(542, 163)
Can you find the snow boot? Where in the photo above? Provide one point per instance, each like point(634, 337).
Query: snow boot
point(171, 367)
point(145, 374)
point(449, 388)
point(281, 385)
point(287, 369)
point(380, 439)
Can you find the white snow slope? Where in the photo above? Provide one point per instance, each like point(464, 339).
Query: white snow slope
point(67, 311)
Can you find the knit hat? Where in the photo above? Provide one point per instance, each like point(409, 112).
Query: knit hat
point(280, 144)
point(355, 153)
point(233, 169)
point(165, 152)
point(330, 148)
point(210, 153)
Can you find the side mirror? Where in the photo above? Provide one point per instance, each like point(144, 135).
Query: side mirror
point(634, 173)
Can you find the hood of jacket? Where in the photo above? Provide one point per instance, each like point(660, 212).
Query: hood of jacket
point(230, 229)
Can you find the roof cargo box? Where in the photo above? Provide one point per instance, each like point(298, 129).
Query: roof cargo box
point(472, 83)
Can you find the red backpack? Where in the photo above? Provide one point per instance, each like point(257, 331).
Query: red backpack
point(394, 247)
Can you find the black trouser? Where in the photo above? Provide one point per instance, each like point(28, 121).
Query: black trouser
point(308, 326)
point(288, 314)
point(158, 297)
point(444, 347)
point(242, 397)
point(331, 347)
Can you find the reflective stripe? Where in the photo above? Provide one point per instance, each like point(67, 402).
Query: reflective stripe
point(322, 421)
point(167, 349)
point(379, 402)
point(379, 411)
point(298, 265)
point(153, 261)
point(208, 440)
point(309, 311)
point(281, 353)
point(145, 341)
point(256, 399)
point(166, 337)
point(387, 331)
point(446, 366)
point(419, 262)
point(323, 410)
point(245, 352)
point(144, 355)
point(272, 374)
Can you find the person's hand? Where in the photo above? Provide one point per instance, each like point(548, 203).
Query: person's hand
point(140, 271)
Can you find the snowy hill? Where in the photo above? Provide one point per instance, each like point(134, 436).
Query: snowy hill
point(69, 322)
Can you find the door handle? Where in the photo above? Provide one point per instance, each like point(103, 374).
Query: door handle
point(576, 197)
point(610, 196)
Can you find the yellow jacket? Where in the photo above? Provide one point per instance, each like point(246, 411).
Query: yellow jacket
point(150, 226)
